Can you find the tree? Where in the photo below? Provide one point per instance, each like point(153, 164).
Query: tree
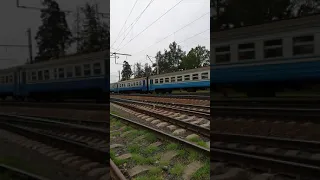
point(94, 35)
point(237, 13)
point(147, 70)
point(53, 36)
point(196, 57)
point(138, 72)
point(170, 60)
point(126, 72)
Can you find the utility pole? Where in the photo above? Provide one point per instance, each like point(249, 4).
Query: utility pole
point(119, 75)
point(78, 28)
point(157, 63)
point(115, 56)
point(30, 45)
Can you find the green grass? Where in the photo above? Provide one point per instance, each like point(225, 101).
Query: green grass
point(177, 169)
point(134, 148)
point(148, 177)
point(150, 137)
point(203, 172)
point(139, 159)
point(150, 150)
point(172, 146)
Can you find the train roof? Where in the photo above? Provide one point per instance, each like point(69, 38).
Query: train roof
point(10, 69)
point(181, 72)
point(71, 59)
point(275, 27)
point(130, 80)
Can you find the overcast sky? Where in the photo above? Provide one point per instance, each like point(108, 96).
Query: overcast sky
point(138, 45)
point(15, 21)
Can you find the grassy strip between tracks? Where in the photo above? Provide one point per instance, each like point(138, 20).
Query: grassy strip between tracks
point(164, 160)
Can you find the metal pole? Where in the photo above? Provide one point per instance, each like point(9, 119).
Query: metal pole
point(30, 45)
point(78, 19)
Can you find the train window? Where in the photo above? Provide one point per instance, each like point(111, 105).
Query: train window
point(55, 73)
point(2, 80)
point(46, 74)
point(195, 76)
point(246, 51)
point(273, 48)
point(69, 71)
point(161, 80)
point(61, 72)
point(96, 69)
point(166, 80)
point(40, 75)
point(77, 71)
point(223, 54)
point(33, 76)
point(140, 83)
point(179, 78)
point(303, 45)
point(7, 79)
point(86, 70)
point(186, 77)
point(173, 79)
point(11, 79)
point(205, 75)
point(156, 81)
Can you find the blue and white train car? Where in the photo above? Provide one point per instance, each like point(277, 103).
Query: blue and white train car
point(81, 76)
point(132, 85)
point(263, 59)
point(7, 82)
point(189, 80)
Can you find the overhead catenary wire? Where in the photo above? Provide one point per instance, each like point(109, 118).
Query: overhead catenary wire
point(173, 32)
point(194, 36)
point(125, 22)
point(151, 24)
point(134, 23)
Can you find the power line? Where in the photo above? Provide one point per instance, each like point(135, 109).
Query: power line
point(152, 23)
point(125, 22)
point(134, 23)
point(173, 33)
point(193, 36)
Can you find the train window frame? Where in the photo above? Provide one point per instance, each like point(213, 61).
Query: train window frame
point(167, 80)
point(303, 44)
point(77, 70)
point(272, 46)
point(86, 70)
point(61, 73)
point(197, 75)
point(97, 70)
point(40, 75)
point(188, 77)
point(55, 73)
point(46, 74)
point(161, 81)
point(7, 79)
point(156, 81)
point(223, 52)
point(205, 74)
point(33, 76)
point(69, 72)
point(173, 79)
point(1, 80)
point(140, 83)
point(243, 51)
point(179, 78)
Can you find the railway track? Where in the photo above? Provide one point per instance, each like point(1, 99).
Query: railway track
point(200, 96)
point(57, 105)
point(72, 144)
point(146, 152)
point(263, 142)
point(8, 172)
point(169, 120)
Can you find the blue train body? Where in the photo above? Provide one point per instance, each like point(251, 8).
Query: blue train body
point(188, 80)
point(264, 59)
point(81, 76)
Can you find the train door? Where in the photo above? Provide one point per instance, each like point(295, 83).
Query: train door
point(22, 84)
point(145, 84)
